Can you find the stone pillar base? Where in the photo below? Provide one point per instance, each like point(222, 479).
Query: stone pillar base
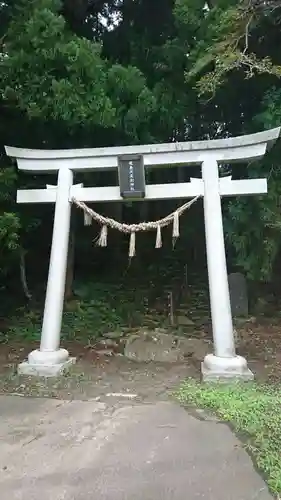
point(215, 369)
point(46, 364)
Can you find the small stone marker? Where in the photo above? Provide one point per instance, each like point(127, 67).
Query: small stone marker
point(238, 294)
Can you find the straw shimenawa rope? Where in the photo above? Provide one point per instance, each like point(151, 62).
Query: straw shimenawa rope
point(132, 229)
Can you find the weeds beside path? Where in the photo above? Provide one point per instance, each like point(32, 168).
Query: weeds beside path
point(254, 411)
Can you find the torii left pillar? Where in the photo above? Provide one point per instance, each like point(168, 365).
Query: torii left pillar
point(50, 359)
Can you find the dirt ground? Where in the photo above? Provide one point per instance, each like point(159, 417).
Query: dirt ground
point(260, 342)
point(96, 376)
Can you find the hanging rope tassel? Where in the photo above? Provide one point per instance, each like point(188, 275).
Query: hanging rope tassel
point(176, 225)
point(132, 247)
point(106, 222)
point(102, 241)
point(158, 242)
point(87, 219)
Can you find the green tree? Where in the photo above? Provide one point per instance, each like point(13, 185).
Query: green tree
point(9, 222)
point(82, 73)
point(61, 89)
point(234, 63)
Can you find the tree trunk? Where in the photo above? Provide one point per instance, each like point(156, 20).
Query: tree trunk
point(23, 276)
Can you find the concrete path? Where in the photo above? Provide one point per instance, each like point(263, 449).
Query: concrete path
point(74, 450)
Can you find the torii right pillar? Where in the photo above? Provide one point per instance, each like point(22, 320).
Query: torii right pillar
point(224, 364)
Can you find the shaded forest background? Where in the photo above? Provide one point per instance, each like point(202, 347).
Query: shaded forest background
point(90, 73)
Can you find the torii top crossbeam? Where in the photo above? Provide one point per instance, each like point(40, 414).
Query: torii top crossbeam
point(236, 149)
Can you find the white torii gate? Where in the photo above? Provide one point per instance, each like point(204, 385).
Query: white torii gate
point(50, 359)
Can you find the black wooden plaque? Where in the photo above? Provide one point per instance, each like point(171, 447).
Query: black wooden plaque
point(131, 176)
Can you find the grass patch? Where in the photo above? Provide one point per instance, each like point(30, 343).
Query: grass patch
point(252, 410)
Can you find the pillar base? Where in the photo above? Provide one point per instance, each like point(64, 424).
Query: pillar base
point(46, 363)
point(215, 369)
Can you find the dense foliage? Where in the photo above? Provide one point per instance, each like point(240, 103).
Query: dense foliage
point(89, 73)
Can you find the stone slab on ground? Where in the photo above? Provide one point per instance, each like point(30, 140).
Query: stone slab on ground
point(151, 346)
point(54, 449)
point(164, 348)
point(184, 320)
